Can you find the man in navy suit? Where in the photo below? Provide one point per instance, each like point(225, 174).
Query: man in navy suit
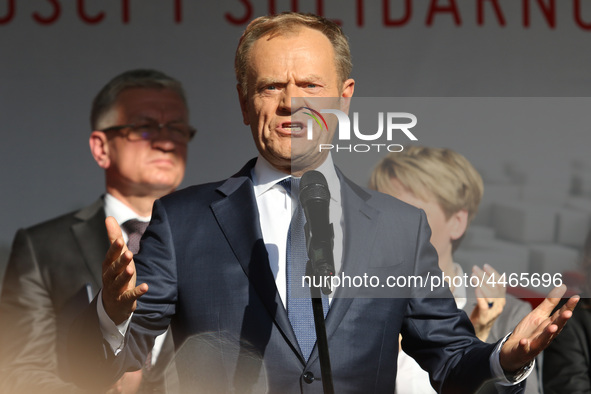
point(213, 260)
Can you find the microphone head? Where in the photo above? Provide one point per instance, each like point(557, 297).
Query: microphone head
point(313, 187)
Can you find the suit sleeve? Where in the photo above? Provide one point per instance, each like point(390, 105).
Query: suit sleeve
point(438, 335)
point(156, 266)
point(28, 326)
point(566, 360)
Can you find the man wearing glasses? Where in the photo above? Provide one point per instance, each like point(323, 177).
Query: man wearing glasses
point(140, 134)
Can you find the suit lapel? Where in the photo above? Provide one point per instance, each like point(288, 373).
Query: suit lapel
point(237, 216)
point(91, 235)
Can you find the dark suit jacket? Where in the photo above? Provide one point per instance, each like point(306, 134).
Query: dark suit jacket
point(205, 261)
point(53, 272)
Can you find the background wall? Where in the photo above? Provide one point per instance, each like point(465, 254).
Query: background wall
point(55, 55)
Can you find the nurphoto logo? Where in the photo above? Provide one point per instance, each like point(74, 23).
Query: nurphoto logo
point(391, 125)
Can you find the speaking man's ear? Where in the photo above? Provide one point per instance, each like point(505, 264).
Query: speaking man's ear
point(348, 88)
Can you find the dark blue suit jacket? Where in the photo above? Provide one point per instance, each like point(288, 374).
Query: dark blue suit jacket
point(204, 259)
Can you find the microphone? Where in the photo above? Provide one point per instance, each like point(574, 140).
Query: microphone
point(315, 200)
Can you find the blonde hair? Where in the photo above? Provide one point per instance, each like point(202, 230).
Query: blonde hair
point(289, 23)
point(432, 173)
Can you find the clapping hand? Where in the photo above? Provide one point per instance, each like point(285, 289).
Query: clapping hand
point(490, 297)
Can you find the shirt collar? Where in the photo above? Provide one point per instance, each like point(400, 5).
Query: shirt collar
point(120, 211)
point(265, 176)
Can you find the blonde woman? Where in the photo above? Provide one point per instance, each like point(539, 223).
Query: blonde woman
point(448, 188)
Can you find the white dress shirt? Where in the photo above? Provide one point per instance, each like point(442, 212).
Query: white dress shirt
point(275, 210)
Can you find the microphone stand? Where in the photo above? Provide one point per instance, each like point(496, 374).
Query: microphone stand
point(318, 311)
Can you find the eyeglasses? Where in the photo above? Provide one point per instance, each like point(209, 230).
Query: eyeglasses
point(178, 132)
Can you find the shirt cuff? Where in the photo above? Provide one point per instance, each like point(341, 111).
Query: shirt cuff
point(114, 335)
point(497, 371)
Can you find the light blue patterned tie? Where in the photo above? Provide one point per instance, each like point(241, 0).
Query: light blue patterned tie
point(299, 303)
